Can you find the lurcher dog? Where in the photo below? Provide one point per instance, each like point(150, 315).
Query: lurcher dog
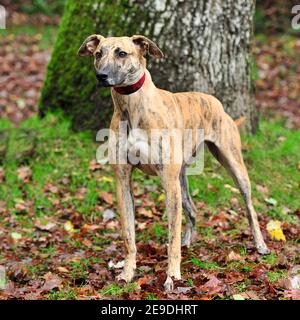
point(120, 64)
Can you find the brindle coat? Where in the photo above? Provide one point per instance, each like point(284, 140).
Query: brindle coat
point(153, 108)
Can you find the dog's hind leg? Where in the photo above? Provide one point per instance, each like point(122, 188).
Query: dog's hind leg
point(188, 208)
point(228, 153)
point(126, 208)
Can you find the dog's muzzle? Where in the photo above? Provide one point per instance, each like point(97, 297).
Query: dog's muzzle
point(102, 80)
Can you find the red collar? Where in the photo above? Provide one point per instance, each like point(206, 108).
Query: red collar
point(132, 88)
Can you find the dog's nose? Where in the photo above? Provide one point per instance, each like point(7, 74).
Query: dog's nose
point(101, 76)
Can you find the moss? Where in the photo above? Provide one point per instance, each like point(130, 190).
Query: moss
point(70, 83)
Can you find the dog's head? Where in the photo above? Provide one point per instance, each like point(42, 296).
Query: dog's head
point(119, 61)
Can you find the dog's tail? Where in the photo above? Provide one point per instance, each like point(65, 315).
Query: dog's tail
point(240, 121)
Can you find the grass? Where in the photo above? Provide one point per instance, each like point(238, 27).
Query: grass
point(45, 34)
point(60, 154)
point(205, 264)
point(274, 276)
point(115, 290)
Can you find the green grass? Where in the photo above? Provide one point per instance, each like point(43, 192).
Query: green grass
point(205, 264)
point(45, 35)
point(61, 153)
point(274, 276)
point(115, 290)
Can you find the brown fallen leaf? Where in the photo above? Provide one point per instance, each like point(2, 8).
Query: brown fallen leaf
point(183, 290)
point(90, 227)
point(250, 295)
point(52, 281)
point(212, 286)
point(233, 256)
point(22, 206)
point(262, 189)
point(107, 197)
point(143, 281)
point(44, 224)
point(145, 212)
point(24, 174)
point(88, 243)
point(63, 270)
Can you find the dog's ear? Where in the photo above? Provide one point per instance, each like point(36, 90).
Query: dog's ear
point(90, 44)
point(147, 45)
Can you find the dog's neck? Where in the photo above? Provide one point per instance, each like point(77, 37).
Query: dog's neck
point(130, 101)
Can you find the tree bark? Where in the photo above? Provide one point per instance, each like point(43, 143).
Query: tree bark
point(207, 46)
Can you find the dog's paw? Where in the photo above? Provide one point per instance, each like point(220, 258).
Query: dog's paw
point(263, 249)
point(169, 285)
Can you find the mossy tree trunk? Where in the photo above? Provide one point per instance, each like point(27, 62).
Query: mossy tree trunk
point(206, 43)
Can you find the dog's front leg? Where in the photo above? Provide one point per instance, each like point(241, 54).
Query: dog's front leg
point(126, 208)
point(171, 183)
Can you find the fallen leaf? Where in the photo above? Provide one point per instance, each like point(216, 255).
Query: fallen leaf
point(141, 225)
point(250, 295)
point(90, 227)
point(44, 224)
point(106, 179)
point(232, 189)
point(142, 281)
point(16, 236)
point(262, 189)
point(145, 212)
point(118, 265)
point(234, 202)
point(88, 243)
point(52, 281)
point(275, 231)
point(233, 256)
point(161, 197)
point(69, 227)
point(183, 290)
point(271, 201)
point(24, 174)
point(238, 297)
point(108, 215)
point(21, 206)
point(63, 270)
point(212, 286)
point(107, 197)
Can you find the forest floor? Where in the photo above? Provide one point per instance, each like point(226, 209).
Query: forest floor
point(59, 229)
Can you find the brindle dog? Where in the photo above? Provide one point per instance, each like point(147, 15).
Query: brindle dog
point(120, 63)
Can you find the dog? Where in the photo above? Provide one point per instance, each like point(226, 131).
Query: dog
point(120, 64)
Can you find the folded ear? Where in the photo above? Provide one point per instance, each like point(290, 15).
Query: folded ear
point(90, 44)
point(147, 45)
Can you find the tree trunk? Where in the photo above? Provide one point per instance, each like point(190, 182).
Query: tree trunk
point(206, 43)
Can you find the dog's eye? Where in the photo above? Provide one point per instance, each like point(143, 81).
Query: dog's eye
point(98, 55)
point(122, 54)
